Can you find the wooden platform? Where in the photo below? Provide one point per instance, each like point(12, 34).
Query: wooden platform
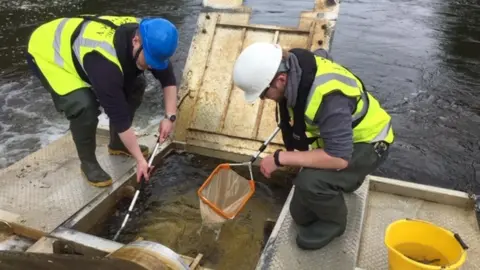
point(212, 113)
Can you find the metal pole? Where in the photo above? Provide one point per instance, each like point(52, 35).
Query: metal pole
point(135, 197)
point(264, 145)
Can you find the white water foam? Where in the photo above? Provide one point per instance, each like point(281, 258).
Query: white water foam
point(16, 243)
point(27, 120)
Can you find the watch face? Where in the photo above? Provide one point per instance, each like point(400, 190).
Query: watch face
point(172, 118)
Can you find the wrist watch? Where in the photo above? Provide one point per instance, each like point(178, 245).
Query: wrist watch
point(171, 117)
point(276, 158)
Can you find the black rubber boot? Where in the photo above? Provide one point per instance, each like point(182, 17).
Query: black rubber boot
point(116, 146)
point(318, 234)
point(81, 109)
point(84, 137)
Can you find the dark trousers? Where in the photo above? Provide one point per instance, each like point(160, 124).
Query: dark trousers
point(318, 196)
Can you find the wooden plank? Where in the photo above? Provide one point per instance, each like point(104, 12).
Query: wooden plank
point(194, 72)
point(318, 37)
point(231, 96)
point(16, 222)
point(43, 245)
point(243, 124)
point(419, 191)
point(226, 144)
point(264, 27)
point(9, 217)
point(196, 262)
point(214, 91)
point(222, 3)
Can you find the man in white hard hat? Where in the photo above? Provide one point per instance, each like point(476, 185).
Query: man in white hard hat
point(339, 129)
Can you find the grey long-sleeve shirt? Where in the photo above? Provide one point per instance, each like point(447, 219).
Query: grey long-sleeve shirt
point(334, 119)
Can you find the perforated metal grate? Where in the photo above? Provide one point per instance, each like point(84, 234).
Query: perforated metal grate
point(46, 187)
point(281, 251)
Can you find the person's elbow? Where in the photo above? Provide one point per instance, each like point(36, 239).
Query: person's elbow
point(120, 122)
point(341, 163)
point(339, 157)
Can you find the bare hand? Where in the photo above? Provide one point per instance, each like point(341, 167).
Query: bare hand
point(267, 166)
point(143, 170)
point(165, 129)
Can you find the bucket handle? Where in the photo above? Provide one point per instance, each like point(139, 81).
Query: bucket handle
point(460, 241)
point(456, 235)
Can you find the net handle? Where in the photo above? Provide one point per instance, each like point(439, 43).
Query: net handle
point(264, 145)
point(259, 151)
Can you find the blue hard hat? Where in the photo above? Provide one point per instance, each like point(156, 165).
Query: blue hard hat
point(159, 41)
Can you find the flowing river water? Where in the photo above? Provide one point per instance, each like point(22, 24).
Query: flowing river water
point(419, 58)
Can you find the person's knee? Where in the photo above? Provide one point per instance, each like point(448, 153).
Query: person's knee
point(310, 184)
point(299, 211)
point(81, 106)
point(85, 113)
point(319, 196)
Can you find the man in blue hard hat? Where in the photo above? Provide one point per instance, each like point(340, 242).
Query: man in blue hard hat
point(86, 62)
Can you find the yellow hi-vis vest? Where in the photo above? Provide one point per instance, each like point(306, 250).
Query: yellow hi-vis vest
point(374, 123)
point(57, 45)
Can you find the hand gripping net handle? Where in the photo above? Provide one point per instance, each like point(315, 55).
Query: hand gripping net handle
point(225, 191)
point(137, 192)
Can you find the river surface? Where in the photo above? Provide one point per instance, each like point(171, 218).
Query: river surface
point(421, 59)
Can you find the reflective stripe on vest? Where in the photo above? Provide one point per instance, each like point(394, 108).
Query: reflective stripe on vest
point(330, 77)
point(51, 46)
point(57, 43)
point(324, 79)
point(99, 37)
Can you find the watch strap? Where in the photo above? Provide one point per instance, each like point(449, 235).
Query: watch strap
point(276, 158)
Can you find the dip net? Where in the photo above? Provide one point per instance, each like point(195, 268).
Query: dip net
point(224, 194)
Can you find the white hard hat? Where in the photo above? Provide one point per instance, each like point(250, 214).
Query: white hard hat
point(256, 67)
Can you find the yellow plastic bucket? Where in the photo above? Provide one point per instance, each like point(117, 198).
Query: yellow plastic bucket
point(420, 245)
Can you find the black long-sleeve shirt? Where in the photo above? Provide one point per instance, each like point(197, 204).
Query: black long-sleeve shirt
point(111, 86)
